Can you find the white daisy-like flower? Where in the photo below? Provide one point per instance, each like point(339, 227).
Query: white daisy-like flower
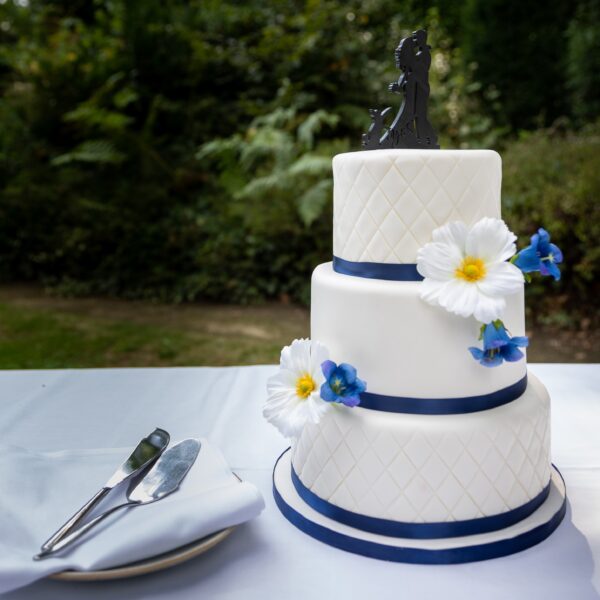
point(466, 270)
point(294, 392)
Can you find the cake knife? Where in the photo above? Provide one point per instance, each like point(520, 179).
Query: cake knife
point(145, 453)
point(163, 479)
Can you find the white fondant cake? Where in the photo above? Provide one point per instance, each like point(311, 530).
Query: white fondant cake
point(416, 468)
point(444, 460)
point(386, 203)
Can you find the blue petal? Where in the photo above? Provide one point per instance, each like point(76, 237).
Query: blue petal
point(544, 246)
point(494, 338)
point(360, 386)
point(492, 361)
point(511, 353)
point(522, 341)
point(477, 353)
point(549, 268)
point(351, 401)
point(543, 236)
point(528, 260)
point(348, 372)
point(328, 394)
point(328, 367)
point(554, 271)
point(556, 253)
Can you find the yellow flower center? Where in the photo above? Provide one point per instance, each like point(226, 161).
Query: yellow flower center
point(471, 269)
point(305, 386)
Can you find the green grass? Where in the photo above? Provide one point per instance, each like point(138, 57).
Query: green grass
point(42, 332)
point(41, 339)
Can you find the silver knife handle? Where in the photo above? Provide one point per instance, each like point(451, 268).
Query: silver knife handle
point(69, 539)
point(74, 520)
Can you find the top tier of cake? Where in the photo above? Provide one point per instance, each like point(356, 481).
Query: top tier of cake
point(388, 202)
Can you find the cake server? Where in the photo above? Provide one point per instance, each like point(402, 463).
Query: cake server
point(163, 479)
point(146, 452)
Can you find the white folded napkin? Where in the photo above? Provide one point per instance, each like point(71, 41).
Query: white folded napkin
point(40, 491)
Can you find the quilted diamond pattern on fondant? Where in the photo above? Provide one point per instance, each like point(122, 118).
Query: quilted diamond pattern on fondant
point(387, 203)
point(431, 472)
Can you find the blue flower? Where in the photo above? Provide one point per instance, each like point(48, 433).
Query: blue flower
point(341, 384)
point(498, 346)
point(540, 256)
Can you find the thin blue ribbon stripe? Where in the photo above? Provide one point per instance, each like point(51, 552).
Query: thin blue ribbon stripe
point(443, 406)
point(370, 270)
point(418, 531)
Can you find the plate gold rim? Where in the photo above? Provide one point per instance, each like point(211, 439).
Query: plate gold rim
point(149, 565)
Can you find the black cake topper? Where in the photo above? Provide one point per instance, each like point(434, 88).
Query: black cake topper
point(411, 127)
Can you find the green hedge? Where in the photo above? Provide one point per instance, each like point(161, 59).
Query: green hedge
point(181, 150)
point(552, 179)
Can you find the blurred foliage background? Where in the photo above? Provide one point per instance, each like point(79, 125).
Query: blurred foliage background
point(180, 150)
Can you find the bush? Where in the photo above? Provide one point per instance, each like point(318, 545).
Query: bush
point(181, 150)
point(583, 67)
point(104, 108)
point(520, 54)
point(552, 179)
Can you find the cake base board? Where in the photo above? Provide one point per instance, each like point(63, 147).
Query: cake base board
point(524, 534)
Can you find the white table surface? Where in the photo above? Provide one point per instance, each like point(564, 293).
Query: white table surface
point(269, 558)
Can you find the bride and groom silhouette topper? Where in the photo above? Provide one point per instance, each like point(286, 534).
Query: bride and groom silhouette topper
point(411, 127)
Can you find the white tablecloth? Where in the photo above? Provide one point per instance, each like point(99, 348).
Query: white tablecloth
point(269, 558)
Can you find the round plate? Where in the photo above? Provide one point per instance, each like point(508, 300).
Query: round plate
point(149, 565)
point(524, 534)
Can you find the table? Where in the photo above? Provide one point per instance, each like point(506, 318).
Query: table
point(269, 558)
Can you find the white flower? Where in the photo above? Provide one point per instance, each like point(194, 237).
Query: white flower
point(466, 271)
point(294, 392)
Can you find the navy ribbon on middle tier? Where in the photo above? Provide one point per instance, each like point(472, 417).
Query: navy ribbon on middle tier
point(443, 406)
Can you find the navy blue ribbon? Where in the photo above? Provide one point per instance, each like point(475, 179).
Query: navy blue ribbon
point(419, 531)
point(446, 556)
point(443, 406)
point(370, 270)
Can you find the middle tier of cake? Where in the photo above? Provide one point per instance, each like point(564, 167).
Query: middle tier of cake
point(402, 346)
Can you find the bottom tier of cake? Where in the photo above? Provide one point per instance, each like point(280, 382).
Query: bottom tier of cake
point(473, 546)
point(405, 469)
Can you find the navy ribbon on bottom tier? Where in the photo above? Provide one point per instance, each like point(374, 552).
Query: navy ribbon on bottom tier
point(443, 406)
point(444, 556)
point(419, 531)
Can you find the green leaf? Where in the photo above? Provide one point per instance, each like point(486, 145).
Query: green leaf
point(94, 116)
point(314, 200)
point(91, 151)
point(311, 165)
point(125, 97)
point(263, 186)
point(313, 124)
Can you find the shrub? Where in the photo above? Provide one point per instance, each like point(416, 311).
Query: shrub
point(552, 179)
point(181, 150)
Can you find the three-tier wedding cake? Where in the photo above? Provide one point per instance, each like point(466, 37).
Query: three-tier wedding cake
point(434, 458)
